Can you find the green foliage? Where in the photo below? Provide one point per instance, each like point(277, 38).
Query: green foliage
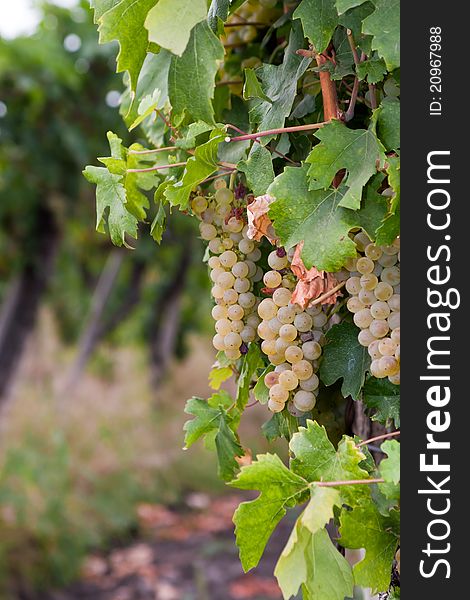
point(319, 20)
point(213, 420)
point(358, 151)
point(344, 358)
point(191, 78)
point(170, 33)
point(313, 216)
point(383, 398)
point(365, 527)
point(200, 82)
point(125, 22)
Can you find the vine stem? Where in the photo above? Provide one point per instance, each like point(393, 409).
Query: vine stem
point(327, 294)
point(157, 168)
point(235, 128)
point(153, 151)
point(378, 437)
point(350, 482)
point(254, 136)
point(224, 174)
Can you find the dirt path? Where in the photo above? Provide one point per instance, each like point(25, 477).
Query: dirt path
point(188, 555)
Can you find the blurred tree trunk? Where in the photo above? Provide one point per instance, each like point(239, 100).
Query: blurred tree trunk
point(166, 325)
point(93, 326)
point(20, 308)
point(101, 324)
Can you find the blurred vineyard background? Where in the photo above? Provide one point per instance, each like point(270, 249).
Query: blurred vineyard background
point(99, 350)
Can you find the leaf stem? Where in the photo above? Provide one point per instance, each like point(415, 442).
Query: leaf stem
point(254, 136)
point(327, 294)
point(350, 482)
point(352, 45)
point(378, 437)
point(157, 168)
point(154, 150)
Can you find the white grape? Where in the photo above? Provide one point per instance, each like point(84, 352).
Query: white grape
point(267, 309)
point(278, 393)
point(277, 262)
point(282, 297)
point(304, 401)
point(311, 350)
point(228, 259)
point(288, 380)
point(303, 322)
point(303, 369)
point(240, 270)
point(288, 332)
point(293, 354)
point(271, 379)
point(272, 279)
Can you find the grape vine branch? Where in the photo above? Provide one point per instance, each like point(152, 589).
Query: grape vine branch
point(299, 213)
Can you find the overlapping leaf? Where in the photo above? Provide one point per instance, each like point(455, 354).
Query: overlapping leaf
point(192, 75)
point(313, 216)
point(356, 150)
point(125, 22)
point(344, 358)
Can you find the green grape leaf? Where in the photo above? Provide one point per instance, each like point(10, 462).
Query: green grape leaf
point(345, 358)
point(252, 87)
point(319, 509)
point(218, 13)
point(146, 107)
point(111, 194)
point(319, 19)
point(101, 6)
point(281, 424)
point(375, 207)
point(279, 83)
point(312, 216)
point(198, 168)
point(189, 135)
point(125, 22)
point(158, 224)
point(170, 22)
point(393, 172)
point(153, 76)
point(364, 527)
point(191, 78)
point(206, 419)
point(256, 520)
point(356, 150)
point(384, 25)
point(384, 398)
point(388, 123)
point(390, 466)
point(390, 227)
point(258, 169)
point(316, 459)
point(352, 19)
point(261, 390)
point(218, 375)
point(311, 561)
point(250, 364)
point(212, 421)
point(344, 5)
point(373, 70)
point(227, 446)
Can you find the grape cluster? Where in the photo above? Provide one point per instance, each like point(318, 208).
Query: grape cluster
point(292, 339)
point(374, 287)
point(233, 269)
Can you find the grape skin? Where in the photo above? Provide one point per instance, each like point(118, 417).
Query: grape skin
point(375, 304)
point(232, 269)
